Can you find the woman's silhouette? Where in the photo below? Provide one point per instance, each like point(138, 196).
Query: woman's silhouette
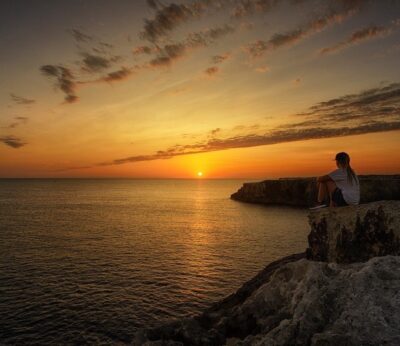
point(340, 187)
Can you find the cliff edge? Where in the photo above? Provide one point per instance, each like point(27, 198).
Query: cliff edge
point(354, 233)
point(345, 293)
point(302, 192)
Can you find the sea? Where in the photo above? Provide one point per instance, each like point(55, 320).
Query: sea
point(89, 261)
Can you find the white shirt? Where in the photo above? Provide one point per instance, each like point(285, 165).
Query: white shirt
point(350, 190)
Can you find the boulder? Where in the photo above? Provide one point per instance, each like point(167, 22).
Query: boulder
point(302, 192)
point(354, 233)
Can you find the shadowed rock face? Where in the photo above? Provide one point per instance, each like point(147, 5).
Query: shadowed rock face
point(302, 192)
point(355, 233)
point(299, 302)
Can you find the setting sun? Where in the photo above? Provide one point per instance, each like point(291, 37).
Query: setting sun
point(199, 174)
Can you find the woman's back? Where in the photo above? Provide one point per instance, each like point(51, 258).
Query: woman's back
point(348, 184)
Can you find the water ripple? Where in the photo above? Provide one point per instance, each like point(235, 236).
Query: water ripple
point(90, 261)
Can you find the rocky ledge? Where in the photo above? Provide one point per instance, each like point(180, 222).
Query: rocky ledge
point(299, 301)
point(355, 233)
point(302, 192)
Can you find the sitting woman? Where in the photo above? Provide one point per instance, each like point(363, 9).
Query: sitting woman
point(340, 187)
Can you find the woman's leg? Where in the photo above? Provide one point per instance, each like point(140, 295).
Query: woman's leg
point(325, 190)
point(331, 186)
point(322, 192)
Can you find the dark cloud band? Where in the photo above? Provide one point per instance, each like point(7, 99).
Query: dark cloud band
point(371, 111)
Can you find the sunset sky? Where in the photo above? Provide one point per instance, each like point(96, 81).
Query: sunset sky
point(231, 88)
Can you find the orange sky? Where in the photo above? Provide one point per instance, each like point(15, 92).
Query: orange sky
point(91, 89)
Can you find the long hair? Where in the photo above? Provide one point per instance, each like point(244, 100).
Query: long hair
point(344, 160)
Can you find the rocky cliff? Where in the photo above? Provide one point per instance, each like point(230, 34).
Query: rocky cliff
point(300, 301)
point(302, 192)
point(355, 233)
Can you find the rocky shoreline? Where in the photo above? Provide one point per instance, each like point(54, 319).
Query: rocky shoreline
point(343, 290)
point(302, 192)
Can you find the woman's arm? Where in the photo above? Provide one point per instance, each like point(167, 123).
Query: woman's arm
point(323, 178)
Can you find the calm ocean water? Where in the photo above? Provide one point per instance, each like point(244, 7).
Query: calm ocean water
point(90, 261)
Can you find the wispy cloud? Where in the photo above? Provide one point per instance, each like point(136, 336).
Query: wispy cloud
point(253, 140)
point(65, 80)
point(118, 75)
point(244, 8)
point(370, 111)
point(139, 50)
point(214, 132)
point(168, 54)
point(281, 39)
point(218, 59)
point(382, 103)
point(358, 36)
point(17, 121)
point(101, 67)
point(211, 71)
point(91, 68)
point(12, 141)
point(21, 100)
point(79, 36)
point(166, 18)
point(97, 63)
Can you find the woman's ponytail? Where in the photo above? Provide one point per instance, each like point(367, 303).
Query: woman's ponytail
point(351, 176)
point(344, 160)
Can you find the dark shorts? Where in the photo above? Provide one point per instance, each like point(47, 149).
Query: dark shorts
point(337, 198)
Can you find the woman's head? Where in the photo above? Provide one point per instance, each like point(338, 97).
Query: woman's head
point(342, 159)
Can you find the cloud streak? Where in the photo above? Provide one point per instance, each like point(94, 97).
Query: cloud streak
point(12, 141)
point(101, 63)
point(17, 122)
point(167, 18)
point(288, 38)
point(117, 75)
point(96, 63)
point(21, 100)
point(356, 37)
point(64, 78)
point(371, 111)
point(170, 53)
point(80, 37)
point(254, 140)
point(218, 59)
point(211, 71)
point(370, 105)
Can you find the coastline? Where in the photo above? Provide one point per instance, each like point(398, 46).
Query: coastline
point(302, 192)
point(343, 290)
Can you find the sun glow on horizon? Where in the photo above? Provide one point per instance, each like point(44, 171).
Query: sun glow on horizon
point(199, 174)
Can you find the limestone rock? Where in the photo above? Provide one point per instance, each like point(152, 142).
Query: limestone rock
point(301, 302)
point(302, 192)
point(355, 233)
